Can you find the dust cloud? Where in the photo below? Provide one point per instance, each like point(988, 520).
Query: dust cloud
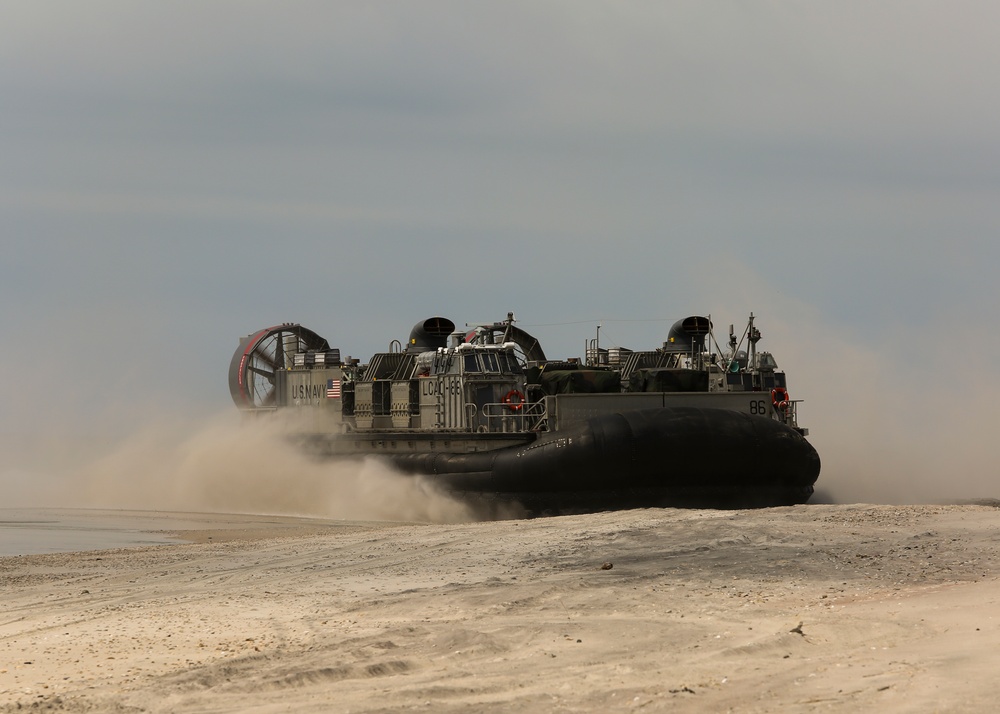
point(226, 465)
point(897, 416)
point(891, 427)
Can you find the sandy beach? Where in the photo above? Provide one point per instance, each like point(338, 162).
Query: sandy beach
point(819, 607)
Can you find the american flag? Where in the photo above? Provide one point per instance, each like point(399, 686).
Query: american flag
point(333, 389)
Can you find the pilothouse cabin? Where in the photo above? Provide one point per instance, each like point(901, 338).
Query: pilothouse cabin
point(465, 387)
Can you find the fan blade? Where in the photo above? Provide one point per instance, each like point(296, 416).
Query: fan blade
point(269, 376)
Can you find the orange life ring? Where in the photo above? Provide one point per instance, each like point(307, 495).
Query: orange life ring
point(513, 400)
point(779, 398)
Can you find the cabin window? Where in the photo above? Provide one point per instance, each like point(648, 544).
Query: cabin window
point(472, 363)
point(490, 362)
point(509, 364)
point(766, 362)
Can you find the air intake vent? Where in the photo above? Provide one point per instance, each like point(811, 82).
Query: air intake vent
point(688, 335)
point(430, 334)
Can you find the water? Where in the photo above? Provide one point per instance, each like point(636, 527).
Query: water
point(29, 531)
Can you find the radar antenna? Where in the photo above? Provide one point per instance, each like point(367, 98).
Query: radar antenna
point(528, 348)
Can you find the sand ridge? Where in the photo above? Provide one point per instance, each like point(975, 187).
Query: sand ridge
point(832, 607)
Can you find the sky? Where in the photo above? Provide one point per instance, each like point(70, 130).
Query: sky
point(177, 175)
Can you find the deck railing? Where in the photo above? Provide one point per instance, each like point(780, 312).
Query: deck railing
point(509, 418)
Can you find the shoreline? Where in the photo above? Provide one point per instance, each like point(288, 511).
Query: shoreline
point(38, 531)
